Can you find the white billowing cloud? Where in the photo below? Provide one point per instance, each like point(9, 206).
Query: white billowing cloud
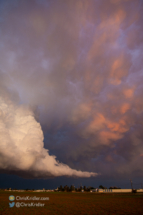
point(22, 147)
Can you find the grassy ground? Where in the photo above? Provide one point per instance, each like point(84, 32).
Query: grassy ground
point(76, 203)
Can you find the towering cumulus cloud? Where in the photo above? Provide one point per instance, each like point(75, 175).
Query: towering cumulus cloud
point(22, 147)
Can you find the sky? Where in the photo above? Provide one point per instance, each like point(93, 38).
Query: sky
point(71, 107)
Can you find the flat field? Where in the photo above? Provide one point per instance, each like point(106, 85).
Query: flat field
point(74, 203)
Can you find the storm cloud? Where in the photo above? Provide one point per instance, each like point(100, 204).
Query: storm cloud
point(74, 70)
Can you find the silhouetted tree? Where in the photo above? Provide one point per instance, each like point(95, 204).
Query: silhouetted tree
point(101, 187)
point(85, 189)
point(72, 188)
point(66, 188)
point(114, 187)
point(60, 188)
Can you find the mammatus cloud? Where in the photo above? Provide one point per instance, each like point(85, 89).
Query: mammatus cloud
point(22, 148)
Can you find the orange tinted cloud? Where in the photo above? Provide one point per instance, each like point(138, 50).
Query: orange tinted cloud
point(124, 108)
point(99, 126)
point(113, 21)
point(119, 126)
point(119, 69)
point(128, 93)
point(106, 137)
point(97, 123)
point(81, 112)
point(113, 126)
point(96, 48)
point(120, 16)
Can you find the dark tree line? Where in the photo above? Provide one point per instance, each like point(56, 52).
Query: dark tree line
point(73, 188)
point(114, 187)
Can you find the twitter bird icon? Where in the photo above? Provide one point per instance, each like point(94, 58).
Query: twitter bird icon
point(11, 204)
